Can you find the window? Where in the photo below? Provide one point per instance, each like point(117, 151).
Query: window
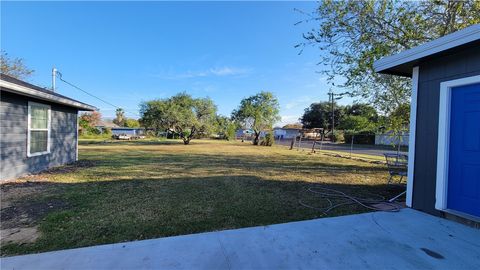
point(38, 139)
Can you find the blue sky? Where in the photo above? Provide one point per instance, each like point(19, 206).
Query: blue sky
point(127, 52)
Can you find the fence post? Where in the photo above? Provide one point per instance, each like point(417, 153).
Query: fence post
point(351, 144)
point(321, 141)
point(314, 142)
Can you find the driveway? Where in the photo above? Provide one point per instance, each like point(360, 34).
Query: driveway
point(404, 240)
point(357, 149)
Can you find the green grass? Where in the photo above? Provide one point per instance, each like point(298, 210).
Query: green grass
point(124, 191)
point(95, 136)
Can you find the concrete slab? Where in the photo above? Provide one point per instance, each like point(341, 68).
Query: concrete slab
point(404, 240)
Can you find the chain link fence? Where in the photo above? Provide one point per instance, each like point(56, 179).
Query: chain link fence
point(351, 143)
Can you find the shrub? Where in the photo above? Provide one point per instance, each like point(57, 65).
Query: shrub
point(230, 134)
point(337, 136)
point(269, 140)
point(93, 131)
point(361, 137)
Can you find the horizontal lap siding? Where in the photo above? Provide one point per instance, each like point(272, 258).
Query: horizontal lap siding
point(464, 63)
point(13, 134)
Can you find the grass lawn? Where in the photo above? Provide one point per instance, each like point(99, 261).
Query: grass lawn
point(124, 191)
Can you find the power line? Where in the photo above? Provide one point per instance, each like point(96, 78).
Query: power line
point(92, 95)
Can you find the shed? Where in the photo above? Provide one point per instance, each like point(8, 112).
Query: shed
point(444, 152)
point(38, 128)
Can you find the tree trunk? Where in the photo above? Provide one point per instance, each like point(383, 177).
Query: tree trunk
point(256, 139)
point(187, 139)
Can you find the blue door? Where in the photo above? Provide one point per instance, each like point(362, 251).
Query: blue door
point(463, 193)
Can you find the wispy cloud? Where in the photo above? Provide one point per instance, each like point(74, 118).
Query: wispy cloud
point(211, 72)
point(299, 102)
point(288, 119)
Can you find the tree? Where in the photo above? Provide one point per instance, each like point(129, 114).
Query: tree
point(88, 121)
point(119, 117)
point(186, 116)
point(355, 33)
point(14, 67)
point(258, 112)
point(356, 123)
point(319, 115)
point(225, 127)
point(131, 123)
point(362, 109)
point(157, 114)
point(398, 120)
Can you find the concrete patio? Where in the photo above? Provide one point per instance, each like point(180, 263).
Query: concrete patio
point(404, 240)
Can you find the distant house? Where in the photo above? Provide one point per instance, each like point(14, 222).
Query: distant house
point(312, 133)
point(444, 147)
point(104, 124)
point(128, 131)
point(38, 128)
point(388, 138)
point(281, 133)
point(247, 134)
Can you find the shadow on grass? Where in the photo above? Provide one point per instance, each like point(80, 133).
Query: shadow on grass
point(146, 142)
point(113, 210)
point(182, 162)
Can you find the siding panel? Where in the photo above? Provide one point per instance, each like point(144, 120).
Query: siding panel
point(458, 65)
point(13, 143)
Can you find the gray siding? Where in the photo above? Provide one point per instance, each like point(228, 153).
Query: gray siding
point(463, 63)
point(13, 134)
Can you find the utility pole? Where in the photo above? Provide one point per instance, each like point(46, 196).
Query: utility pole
point(54, 77)
point(332, 98)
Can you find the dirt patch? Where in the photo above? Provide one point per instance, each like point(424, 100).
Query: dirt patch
point(20, 214)
point(355, 158)
point(19, 235)
point(69, 168)
point(25, 214)
point(16, 190)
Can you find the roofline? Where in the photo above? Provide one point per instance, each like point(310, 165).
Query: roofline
point(126, 128)
point(289, 128)
point(455, 39)
point(26, 91)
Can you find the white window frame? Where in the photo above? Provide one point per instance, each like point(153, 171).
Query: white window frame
point(446, 87)
point(48, 129)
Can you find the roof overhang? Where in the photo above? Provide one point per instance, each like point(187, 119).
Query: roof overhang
point(30, 92)
point(402, 63)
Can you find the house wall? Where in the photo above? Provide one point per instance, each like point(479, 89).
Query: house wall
point(389, 139)
point(124, 131)
point(13, 137)
point(281, 133)
point(464, 62)
point(116, 131)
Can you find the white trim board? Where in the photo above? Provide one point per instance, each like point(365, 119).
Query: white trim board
point(411, 138)
point(446, 87)
point(22, 90)
point(444, 43)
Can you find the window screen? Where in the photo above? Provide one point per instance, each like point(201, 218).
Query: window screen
point(39, 128)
